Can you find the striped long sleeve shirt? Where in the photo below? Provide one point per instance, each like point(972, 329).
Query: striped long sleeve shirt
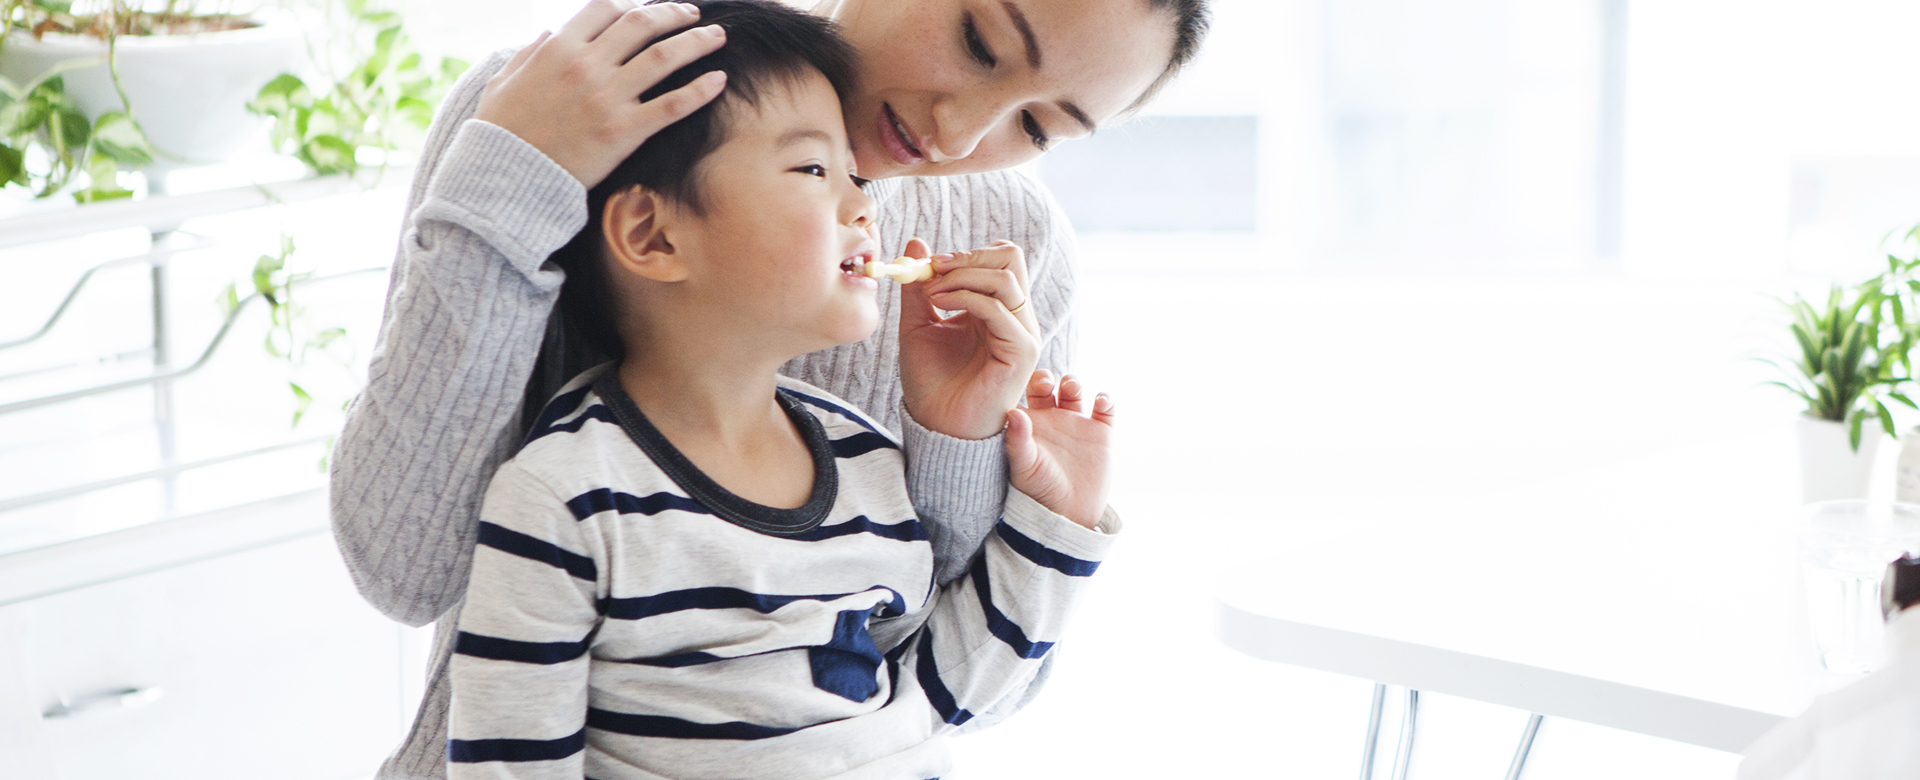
point(629, 618)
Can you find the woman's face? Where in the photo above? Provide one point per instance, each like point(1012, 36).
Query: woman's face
point(963, 86)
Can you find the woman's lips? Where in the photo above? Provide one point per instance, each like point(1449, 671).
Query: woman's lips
point(893, 136)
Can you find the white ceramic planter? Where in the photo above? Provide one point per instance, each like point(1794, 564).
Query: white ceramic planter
point(1829, 467)
point(189, 91)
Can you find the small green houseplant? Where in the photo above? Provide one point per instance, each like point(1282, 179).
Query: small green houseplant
point(46, 141)
point(1853, 349)
point(376, 92)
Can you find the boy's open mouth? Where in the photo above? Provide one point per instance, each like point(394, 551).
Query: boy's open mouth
point(857, 264)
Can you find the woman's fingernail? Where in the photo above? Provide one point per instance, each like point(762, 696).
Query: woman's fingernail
point(714, 30)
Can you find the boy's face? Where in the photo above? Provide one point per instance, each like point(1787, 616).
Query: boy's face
point(782, 218)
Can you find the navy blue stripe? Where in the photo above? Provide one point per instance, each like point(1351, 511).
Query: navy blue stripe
point(908, 530)
point(934, 687)
point(694, 658)
point(639, 607)
point(833, 407)
point(675, 728)
point(498, 649)
point(598, 412)
point(860, 444)
point(473, 751)
point(997, 621)
point(533, 548)
point(561, 406)
point(599, 500)
point(1041, 554)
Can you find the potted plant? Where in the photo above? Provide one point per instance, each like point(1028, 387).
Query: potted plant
point(1853, 352)
point(174, 76)
point(372, 93)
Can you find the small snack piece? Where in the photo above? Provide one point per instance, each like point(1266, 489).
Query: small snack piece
point(905, 270)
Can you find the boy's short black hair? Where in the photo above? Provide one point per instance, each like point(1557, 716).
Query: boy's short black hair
point(767, 43)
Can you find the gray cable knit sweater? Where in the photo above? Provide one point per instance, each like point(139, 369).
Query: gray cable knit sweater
point(466, 315)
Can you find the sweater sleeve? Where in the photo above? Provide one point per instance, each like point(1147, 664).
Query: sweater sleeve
point(466, 309)
point(960, 485)
point(520, 662)
point(991, 630)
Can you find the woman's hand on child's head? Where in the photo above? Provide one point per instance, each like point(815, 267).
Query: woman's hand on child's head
point(575, 94)
point(961, 374)
point(1059, 448)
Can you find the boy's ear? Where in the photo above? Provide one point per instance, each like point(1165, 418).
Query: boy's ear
point(635, 226)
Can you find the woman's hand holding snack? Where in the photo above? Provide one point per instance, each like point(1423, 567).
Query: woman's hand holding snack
point(575, 94)
point(1058, 448)
point(962, 373)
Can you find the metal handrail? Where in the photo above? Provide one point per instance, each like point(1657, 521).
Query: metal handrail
point(73, 293)
point(75, 491)
point(205, 355)
point(39, 225)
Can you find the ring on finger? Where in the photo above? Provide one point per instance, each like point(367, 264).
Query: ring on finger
point(1023, 304)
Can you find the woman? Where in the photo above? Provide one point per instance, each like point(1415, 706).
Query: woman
point(950, 91)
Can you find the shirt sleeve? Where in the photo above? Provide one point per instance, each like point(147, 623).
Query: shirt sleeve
point(520, 660)
point(466, 310)
point(991, 630)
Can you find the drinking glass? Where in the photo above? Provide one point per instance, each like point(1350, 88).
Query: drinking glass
point(1845, 547)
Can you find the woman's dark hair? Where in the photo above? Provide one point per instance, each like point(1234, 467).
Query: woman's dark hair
point(767, 44)
point(1190, 22)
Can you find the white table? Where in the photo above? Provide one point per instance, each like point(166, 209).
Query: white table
point(1562, 495)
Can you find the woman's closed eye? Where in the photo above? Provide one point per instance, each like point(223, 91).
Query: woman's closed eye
point(976, 46)
point(1034, 131)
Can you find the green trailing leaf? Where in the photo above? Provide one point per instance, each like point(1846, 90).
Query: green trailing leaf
point(1886, 418)
point(330, 154)
point(302, 401)
point(1853, 429)
point(116, 136)
point(13, 166)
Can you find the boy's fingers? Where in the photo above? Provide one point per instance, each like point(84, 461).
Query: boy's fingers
point(1103, 409)
point(1070, 395)
point(1040, 390)
point(674, 106)
point(1019, 440)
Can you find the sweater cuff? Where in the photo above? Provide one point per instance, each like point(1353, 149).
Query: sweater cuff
point(510, 194)
point(954, 479)
point(1055, 532)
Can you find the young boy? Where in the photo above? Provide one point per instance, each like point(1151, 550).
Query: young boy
point(696, 568)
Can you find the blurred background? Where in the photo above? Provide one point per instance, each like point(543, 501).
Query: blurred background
point(1384, 249)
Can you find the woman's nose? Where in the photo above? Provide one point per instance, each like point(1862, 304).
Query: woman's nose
point(960, 124)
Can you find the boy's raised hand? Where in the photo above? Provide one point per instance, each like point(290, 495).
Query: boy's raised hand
point(575, 94)
point(1059, 448)
point(961, 374)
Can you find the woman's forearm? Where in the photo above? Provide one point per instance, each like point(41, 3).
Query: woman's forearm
point(466, 310)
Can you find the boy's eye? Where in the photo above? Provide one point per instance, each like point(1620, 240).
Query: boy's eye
point(1032, 126)
point(812, 169)
point(861, 183)
point(976, 46)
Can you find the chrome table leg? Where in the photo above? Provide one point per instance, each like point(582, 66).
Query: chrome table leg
point(1526, 746)
point(1373, 730)
point(1404, 755)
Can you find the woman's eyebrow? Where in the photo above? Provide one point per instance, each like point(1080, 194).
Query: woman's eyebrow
point(1033, 58)
point(1026, 32)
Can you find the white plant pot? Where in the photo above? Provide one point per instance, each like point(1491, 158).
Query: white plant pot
point(188, 91)
point(1829, 467)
